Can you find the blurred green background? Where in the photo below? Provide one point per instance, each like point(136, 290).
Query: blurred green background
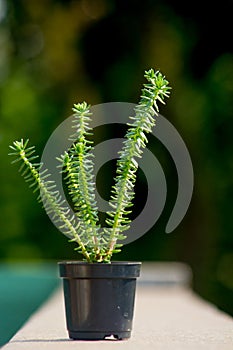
point(56, 53)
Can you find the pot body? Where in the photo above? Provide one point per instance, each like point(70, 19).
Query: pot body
point(99, 298)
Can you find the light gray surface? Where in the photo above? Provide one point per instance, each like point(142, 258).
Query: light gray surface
point(166, 318)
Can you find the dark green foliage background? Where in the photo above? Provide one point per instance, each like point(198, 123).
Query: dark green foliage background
point(56, 53)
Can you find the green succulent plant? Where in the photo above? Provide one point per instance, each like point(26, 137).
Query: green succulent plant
point(95, 244)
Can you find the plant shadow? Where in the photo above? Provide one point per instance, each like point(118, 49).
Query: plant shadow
point(109, 339)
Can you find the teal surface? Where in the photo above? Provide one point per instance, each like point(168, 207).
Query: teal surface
point(23, 288)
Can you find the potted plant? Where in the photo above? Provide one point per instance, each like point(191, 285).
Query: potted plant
point(99, 293)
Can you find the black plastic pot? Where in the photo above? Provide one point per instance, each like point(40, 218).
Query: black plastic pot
point(99, 298)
